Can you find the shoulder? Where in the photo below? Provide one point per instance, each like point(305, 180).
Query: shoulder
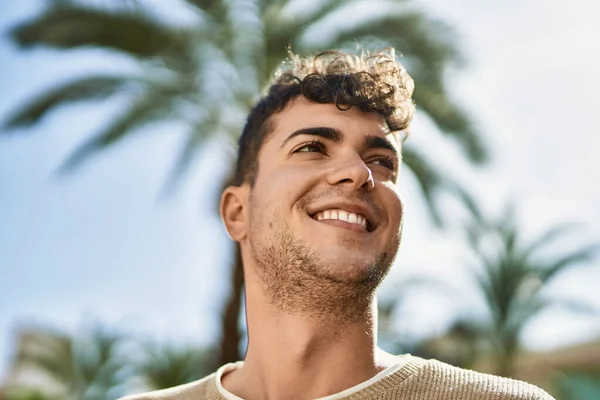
point(189, 391)
point(476, 385)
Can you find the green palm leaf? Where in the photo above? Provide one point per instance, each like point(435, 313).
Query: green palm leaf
point(414, 34)
point(76, 25)
point(195, 140)
point(427, 48)
point(149, 108)
point(575, 258)
point(85, 367)
point(512, 276)
point(547, 237)
point(573, 305)
point(451, 119)
point(428, 178)
point(164, 366)
point(89, 88)
point(224, 60)
point(216, 9)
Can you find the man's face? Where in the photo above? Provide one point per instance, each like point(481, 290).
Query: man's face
point(325, 195)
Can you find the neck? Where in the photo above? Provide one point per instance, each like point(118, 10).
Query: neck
point(287, 350)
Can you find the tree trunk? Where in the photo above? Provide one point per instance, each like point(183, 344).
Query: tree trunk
point(230, 332)
point(506, 358)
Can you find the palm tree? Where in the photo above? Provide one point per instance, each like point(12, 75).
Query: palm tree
point(206, 74)
point(89, 367)
point(511, 275)
point(165, 366)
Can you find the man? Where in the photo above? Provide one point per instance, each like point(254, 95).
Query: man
point(316, 211)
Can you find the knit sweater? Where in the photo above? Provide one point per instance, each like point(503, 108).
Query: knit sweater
point(413, 379)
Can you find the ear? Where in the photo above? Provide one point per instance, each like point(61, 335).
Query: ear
point(233, 210)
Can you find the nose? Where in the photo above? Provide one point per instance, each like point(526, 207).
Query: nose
point(352, 172)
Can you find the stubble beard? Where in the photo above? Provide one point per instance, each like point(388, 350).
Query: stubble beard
point(296, 281)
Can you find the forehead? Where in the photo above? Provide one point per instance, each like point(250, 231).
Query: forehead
point(301, 113)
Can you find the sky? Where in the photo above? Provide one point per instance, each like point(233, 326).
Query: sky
point(102, 244)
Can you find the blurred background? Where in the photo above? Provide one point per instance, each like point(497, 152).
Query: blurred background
point(118, 124)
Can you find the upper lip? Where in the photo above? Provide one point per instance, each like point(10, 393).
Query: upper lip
point(356, 208)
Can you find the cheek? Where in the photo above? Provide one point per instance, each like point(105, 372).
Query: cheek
point(394, 206)
point(273, 196)
point(287, 185)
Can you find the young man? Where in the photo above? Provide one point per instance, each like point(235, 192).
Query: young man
point(317, 214)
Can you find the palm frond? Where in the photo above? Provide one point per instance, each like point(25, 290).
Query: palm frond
point(428, 47)
point(166, 366)
point(265, 5)
point(573, 305)
point(511, 280)
point(319, 11)
point(509, 237)
point(189, 150)
point(470, 204)
point(77, 25)
point(283, 31)
point(523, 311)
point(215, 9)
point(414, 34)
point(547, 272)
point(88, 88)
point(428, 178)
point(485, 286)
point(547, 237)
point(451, 119)
point(95, 357)
point(146, 109)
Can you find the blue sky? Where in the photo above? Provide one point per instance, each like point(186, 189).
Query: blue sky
point(101, 243)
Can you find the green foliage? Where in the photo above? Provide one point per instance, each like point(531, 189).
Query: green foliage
point(71, 25)
point(164, 366)
point(82, 89)
point(207, 73)
point(427, 177)
point(98, 364)
point(512, 273)
point(84, 368)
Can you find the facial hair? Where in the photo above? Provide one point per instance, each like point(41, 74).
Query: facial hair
point(296, 281)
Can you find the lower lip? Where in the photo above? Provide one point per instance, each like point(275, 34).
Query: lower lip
point(343, 224)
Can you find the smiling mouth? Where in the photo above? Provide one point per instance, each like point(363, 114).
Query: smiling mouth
point(347, 217)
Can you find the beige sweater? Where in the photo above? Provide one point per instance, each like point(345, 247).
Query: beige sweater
point(414, 379)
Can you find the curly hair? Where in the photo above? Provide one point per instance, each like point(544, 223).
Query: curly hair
point(373, 82)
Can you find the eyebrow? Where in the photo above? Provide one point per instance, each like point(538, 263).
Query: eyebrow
point(378, 142)
point(324, 132)
point(336, 136)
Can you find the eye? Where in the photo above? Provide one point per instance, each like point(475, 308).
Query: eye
point(312, 147)
point(384, 162)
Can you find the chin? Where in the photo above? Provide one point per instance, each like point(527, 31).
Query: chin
point(351, 269)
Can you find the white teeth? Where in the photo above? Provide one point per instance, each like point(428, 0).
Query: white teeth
point(363, 221)
point(343, 215)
